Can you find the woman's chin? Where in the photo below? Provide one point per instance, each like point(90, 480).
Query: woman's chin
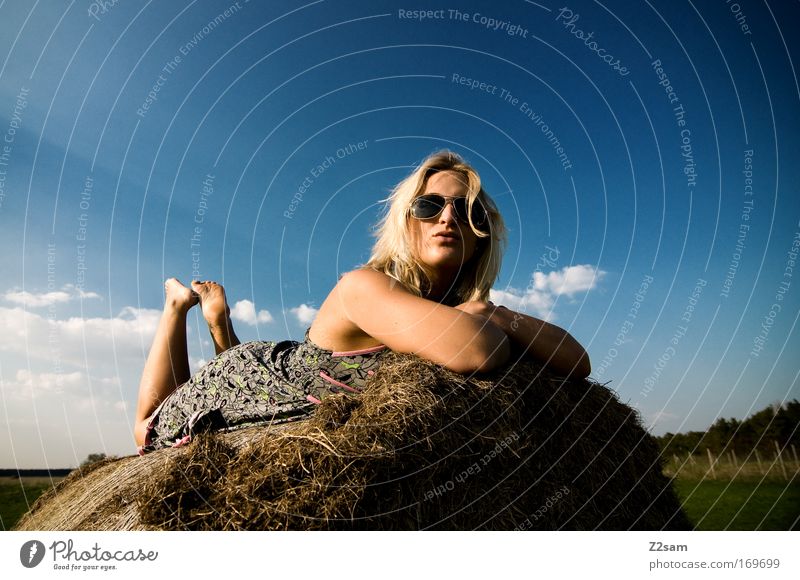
point(446, 260)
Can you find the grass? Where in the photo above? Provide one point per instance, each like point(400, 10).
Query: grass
point(740, 504)
point(738, 495)
point(17, 495)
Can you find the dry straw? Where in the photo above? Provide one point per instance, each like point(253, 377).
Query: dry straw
point(421, 448)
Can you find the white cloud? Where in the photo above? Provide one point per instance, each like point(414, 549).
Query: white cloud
point(56, 419)
point(132, 328)
point(245, 311)
point(69, 386)
point(78, 341)
point(534, 301)
point(570, 280)
point(304, 313)
point(45, 394)
point(195, 364)
point(538, 299)
point(660, 419)
point(27, 384)
point(34, 300)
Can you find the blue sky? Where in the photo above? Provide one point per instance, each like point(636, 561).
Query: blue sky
point(643, 155)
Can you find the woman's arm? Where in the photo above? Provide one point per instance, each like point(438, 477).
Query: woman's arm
point(385, 310)
point(536, 338)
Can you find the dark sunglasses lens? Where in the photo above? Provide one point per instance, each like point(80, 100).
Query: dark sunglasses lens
point(428, 206)
point(460, 206)
point(478, 213)
point(425, 207)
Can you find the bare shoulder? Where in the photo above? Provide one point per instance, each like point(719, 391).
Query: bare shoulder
point(365, 292)
point(366, 289)
point(333, 328)
point(365, 277)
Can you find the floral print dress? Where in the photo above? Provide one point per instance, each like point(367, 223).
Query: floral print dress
point(258, 383)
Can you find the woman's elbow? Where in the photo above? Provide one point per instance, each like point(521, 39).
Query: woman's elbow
point(488, 357)
point(574, 360)
point(578, 367)
point(575, 366)
point(583, 368)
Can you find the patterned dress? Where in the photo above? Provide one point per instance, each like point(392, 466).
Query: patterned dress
point(258, 383)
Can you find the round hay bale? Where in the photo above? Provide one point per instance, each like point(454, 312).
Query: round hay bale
point(421, 448)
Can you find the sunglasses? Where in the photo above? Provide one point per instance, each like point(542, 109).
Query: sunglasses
point(431, 205)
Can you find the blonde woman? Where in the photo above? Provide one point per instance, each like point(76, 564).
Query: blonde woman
point(424, 291)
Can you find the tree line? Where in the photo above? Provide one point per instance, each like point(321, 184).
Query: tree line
point(760, 431)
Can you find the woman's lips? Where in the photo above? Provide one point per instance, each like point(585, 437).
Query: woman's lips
point(447, 236)
point(445, 239)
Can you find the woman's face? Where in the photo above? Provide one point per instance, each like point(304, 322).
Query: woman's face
point(443, 242)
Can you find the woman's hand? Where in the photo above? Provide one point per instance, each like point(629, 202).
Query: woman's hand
point(536, 338)
point(486, 315)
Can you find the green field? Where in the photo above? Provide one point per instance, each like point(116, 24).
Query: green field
point(16, 495)
point(740, 505)
point(732, 495)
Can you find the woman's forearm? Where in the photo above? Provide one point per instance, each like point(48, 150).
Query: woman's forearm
point(544, 341)
point(487, 348)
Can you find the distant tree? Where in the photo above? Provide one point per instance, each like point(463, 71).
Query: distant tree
point(680, 443)
point(746, 438)
point(785, 425)
point(720, 435)
point(761, 422)
point(93, 458)
point(776, 423)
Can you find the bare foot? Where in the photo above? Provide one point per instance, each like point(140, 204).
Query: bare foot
point(178, 297)
point(217, 314)
point(213, 302)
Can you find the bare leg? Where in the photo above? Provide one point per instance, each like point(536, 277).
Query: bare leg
point(167, 363)
point(217, 314)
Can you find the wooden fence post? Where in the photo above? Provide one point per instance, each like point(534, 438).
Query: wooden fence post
point(780, 459)
point(711, 464)
point(758, 459)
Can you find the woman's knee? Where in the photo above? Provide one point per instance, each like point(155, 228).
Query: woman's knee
point(140, 431)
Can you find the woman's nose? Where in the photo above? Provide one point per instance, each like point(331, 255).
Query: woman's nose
point(448, 213)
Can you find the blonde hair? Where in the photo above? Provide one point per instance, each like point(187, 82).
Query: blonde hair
point(393, 253)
